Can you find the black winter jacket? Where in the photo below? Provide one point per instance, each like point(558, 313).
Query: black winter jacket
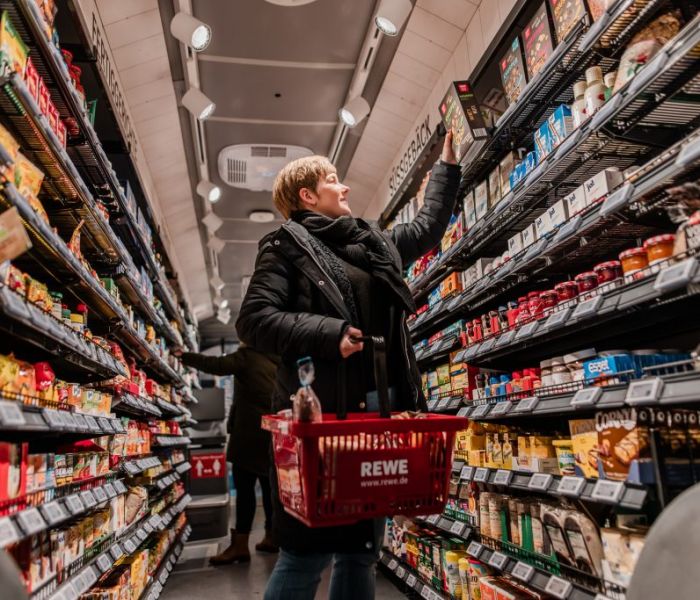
point(254, 376)
point(294, 309)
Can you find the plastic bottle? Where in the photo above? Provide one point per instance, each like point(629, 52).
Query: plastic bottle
point(595, 91)
point(578, 108)
point(609, 81)
point(307, 407)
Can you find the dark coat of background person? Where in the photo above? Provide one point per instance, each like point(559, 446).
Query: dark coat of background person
point(254, 379)
point(292, 309)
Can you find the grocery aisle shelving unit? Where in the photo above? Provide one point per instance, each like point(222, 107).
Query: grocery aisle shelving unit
point(652, 123)
point(81, 185)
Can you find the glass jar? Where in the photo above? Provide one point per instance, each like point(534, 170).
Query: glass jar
point(546, 372)
point(534, 304)
point(549, 300)
point(578, 108)
point(523, 311)
point(574, 362)
point(585, 282)
point(560, 372)
point(659, 247)
point(566, 290)
point(609, 81)
point(634, 261)
point(608, 271)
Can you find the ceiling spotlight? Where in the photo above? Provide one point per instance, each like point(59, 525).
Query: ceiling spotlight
point(262, 216)
point(216, 245)
point(391, 16)
point(190, 31)
point(354, 111)
point(209, 191)
point(212, 221)
point(224, 316)
point(217, 283)
point(198, 104)
point(220, 302)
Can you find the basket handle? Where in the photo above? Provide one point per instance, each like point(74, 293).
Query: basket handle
point(377, 345)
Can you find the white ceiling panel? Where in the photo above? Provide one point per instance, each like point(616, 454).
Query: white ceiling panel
point(397, 105)
point(404, 88)
point(457, 12)
point(138, 52)
point(424, 51)
point(415, 71)
point(144, 72)
point(132, 29)
point(153, 91)
point(490, 21)
point(437, 30)
point(117, 10)
point(475, 40)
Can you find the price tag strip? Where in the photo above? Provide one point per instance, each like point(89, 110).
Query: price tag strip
point(586, 397)
point(557, 319)
point(498, 560)
point(587, 308)
point(8, 532)
point(676, 276)
point(481, 475)
point(523, 571)
point(120, 487)
point(480, 411)
point(74, 504)
point(501, 408)
point(571, 486)
point(11, 414)
point(464, 412)
point(527, 404)
point(100, 494)
point(31, 521)
point(646, 391)
point(526, 330)
point(475, 549)
point(116, 551)
point(607, 491)
point(53, 512)
point(80, 421)
point(467, 473)
point(53, 418)
point(104, 562)
point(540, 482)
point(503, 477)
point(558, 587)
point(88, 498)
point(458, 528)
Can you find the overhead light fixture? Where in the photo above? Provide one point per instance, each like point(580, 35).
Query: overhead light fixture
point(212, 222)
point(391, 16)
point(216, 245)
point(198, 104)
point(224, 316)
point(220, 302)
point(262, 216)
point(217, 283)
point(209, 191)
point(354, 111)
point(190, 31)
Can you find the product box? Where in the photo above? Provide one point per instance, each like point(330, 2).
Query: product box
point(544, 141)
point(542, 225)
point(622, 439)
point(602, 184)
point(494, 187)
point(576, 201)
point(460, 112)
point(505, 168)
point(450, 285)
point(518, 174)
point(561, 124)
point(434, 297)
point(481, 199)
point(537, 41)
point(558, 213)
point(443, 374)
point(512, 70)
point(469, 210)
point(530, 162)
point(13, 51)
point(515, 244)
point(13, 470)
point(584, 439)
point(528, 236)
point(566, 14)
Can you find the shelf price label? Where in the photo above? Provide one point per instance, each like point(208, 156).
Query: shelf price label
point(53, 418)
point(646, 391)
point(443, 404)
point(467, 473)
point(481, 411)
point(120, 487)
point(105, 424)
point(527, 404)
point(503, 477)
point(100, 494)
point(557, 319)
point(526, 330)
point(69, 420)
point(676, 276)
point(523, 571)
point(8, 532)
point(433, 519)
point(501, 408)
point(498, 560)
point(506, 338)
point(475, 549)
point(116, 551)
point(458, 528)
point(11, 414)
point(540, 482)
point(129, 546)
point(74, 504)
point(481, 475)
point(464, 411)
point(400, 572)
point(80, 421)
point(109, 490)
point(587, 308)
point(31, 521)
point(88, 498)
point(393, 564)
point(103, 562)
point(53, 512)
point(586, 397)
point(558, 587)
point(570, 485)
point(92, 423)
point(608, 491)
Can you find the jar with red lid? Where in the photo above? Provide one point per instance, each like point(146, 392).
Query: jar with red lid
point(549, 299)
point(534, 304)
point(566, 290)
point(608, 271)
point(512, 313)
point(523, 311)
point(659, 247)
point(585, 282)
point(633, 261)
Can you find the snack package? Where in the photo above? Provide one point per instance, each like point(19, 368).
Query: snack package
point(621, 440)
point(584, 540)
point(13, 51)
point(28, 177)
point(584, 438)
point(512, 70)
point(598, 7)
point(460, 112)
point(644, 46)
point(566, 15)
point(10, 148)
point(13, 470)
point(537, 41)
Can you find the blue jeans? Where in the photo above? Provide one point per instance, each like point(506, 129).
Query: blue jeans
point(296, 576)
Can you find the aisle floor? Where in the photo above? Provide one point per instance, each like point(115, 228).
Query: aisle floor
point(193, 577)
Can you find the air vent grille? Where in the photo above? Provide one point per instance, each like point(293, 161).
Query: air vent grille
point(260, 151)
point(236, 171)
point(278, 152)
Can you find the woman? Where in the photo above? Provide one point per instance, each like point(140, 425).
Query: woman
point(248, 447)
point(321, 281)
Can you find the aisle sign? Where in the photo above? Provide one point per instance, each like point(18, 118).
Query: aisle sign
point(208, 466)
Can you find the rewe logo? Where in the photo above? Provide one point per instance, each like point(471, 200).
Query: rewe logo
point(379, 468)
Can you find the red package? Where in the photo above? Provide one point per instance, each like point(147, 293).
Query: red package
point(54, 117)
point(13, 471)
point(62, 133)
point(44, 376)
point(43, 98)
point(31, 78)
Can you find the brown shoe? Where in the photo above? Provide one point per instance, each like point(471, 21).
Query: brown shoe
point(267, 545)
point(237, 552)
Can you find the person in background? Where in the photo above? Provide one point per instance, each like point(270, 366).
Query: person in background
point(321, 281)
point(249, 445)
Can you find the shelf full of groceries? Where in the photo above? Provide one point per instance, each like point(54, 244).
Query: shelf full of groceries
point(558, 312)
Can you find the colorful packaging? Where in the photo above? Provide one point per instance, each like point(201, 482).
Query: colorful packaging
point(557, 213)
point(469, 210)
point(542, 225)
point(460, 112)
point(481, 199)
point(13, 51)
point(622, 439)
point(505, 168)
point(584, 439)
point(13, 470)
point(561, 124)
point(566, 15)
point(494, 187)
point(28, 177)
point(537, 41)
point(601, 184)
point(513, 72)
point(544, 141)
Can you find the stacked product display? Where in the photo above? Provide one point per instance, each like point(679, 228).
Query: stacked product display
point(93, 400)
point(558, 314)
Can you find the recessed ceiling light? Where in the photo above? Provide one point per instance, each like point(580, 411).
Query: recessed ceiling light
point(391, 16)
point(190, 31)
point(262, 216)
point(354, 111)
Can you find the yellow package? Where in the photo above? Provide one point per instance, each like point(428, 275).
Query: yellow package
point(28, 177)
point(38, 207)
point(13, 51)
point(584, 439)
point(38, 293)
point(523, 450)
point(10, 148)
point(542, 447)
point(476, 458)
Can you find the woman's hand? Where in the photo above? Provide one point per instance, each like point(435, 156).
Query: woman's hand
point(448, 153)
point(348, 347)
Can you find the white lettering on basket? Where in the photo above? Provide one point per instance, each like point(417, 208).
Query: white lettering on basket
point(379, 468)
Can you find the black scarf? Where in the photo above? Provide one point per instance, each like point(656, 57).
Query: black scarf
point(354, 241)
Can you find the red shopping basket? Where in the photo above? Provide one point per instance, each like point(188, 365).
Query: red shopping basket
point(363, 465)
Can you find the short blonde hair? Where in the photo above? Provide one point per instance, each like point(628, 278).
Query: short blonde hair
point(301, 173)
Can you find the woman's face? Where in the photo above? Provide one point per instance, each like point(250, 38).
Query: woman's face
point(330, 197)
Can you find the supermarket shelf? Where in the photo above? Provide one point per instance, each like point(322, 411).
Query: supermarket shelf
point(561, 251)
point(409, 577)
point(165, 441)
point(617, 493)
point(134, 405)
point(183, 467)
point(587, 150)
point(155, 586)
point(146, 353)
point(33, 325)
point(437, 351)
point(164, 482)
point(62, 179)
point(127, 283)
point(452, 527)
point(21, 415)
point(137, 466)
point(446, 402)
point(169, 407)
point(33, 520)
point(671, 384)
point(658, 294)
